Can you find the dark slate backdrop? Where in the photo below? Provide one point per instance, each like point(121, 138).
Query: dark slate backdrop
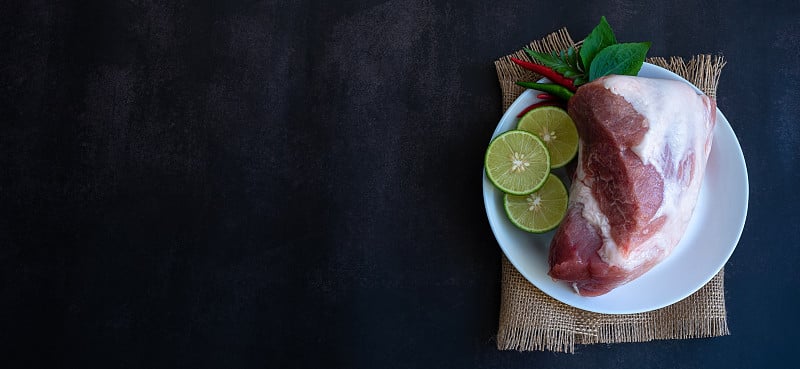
point(297, 184)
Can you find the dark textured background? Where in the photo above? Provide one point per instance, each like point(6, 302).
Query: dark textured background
point(297, 184)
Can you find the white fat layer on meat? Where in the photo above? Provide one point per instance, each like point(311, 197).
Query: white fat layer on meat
point(582, 193)
point(677, 124)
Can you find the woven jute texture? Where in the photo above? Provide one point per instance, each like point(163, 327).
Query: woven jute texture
point(531, 320)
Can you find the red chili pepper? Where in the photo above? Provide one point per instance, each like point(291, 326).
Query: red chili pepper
point(546, 72)
point(540, 103)
point(545, 96)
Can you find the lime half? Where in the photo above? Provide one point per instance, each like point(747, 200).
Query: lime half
point(540, 211)
point(517, 162)
point(556, 129)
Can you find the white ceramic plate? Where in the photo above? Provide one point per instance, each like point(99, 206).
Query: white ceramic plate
point(710, 239)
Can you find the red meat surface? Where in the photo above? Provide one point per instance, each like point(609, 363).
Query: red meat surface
point(627, 191)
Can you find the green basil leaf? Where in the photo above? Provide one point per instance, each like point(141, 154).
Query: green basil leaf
point(601, 37)
point(548, 60)
point(563, 62)
point(622, 59)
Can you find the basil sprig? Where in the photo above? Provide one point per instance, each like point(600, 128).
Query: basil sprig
point(600, 55)
point(623, 59)
point(601, 37)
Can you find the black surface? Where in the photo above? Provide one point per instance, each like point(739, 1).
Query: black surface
point(297, 184)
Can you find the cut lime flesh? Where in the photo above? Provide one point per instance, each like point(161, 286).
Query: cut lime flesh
point(556, 130)
point(540, 211)
point(517, 162)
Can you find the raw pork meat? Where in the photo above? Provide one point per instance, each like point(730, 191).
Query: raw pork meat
point(643, 152)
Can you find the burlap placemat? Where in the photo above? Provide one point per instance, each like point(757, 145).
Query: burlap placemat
point(531, 320)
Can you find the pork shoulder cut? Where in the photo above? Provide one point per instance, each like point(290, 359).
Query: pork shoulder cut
point(644, 144)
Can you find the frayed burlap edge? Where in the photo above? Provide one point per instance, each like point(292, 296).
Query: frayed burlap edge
point(702, 71)
point(531, 320)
